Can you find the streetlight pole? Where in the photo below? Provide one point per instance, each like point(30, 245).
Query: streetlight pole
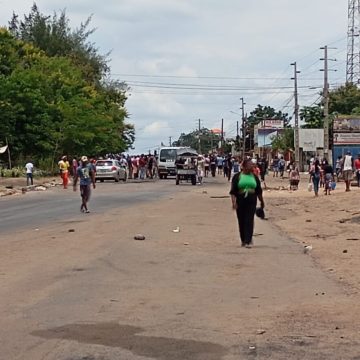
point(296, 112)
point(243, 126)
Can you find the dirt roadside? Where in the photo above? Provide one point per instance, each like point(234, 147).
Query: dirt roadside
point(329, 224)
point(95, 293)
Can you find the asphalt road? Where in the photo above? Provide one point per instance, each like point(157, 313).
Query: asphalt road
point(96, 294)
point(38, 208)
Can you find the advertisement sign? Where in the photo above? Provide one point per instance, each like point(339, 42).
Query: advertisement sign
point(266, 136)
point(271, 124)
point(352, 138)
point(311, 139)
point(346, 124)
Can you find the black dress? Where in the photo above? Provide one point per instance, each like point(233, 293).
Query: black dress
point(246, 207)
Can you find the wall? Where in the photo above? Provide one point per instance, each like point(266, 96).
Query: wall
point(340, 150)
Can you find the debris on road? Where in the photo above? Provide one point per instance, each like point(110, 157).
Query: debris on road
point(307, 248)
point(260, 332)
point(177, 230)
point(71, 230)
point(139, 237)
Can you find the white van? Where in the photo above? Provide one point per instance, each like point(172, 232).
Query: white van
point(166, 161)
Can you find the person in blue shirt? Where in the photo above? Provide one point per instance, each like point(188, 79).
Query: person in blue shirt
point(220, 161)
point(85, 172)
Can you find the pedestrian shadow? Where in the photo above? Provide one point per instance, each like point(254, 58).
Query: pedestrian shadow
point(128, 338)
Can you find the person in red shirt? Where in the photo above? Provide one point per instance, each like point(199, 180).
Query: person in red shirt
point(255, 170)
point(357, 169)
point(142, 166)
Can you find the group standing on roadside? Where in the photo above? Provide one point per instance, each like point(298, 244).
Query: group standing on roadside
point(323, 175)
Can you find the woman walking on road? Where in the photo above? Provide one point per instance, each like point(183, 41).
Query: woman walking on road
point(245, 190)
point(328, 176)
point(315, 176)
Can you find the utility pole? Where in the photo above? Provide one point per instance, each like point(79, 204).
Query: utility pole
point(296, 112)
point(243, 127)
point(170, 142)
point(222, 134)
point(199, 145)
point(326, 103)
point(326, 100)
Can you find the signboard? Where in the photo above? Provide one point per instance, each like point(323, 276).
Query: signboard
point(266, 136)
point(351, 138)
point(311, 139)
point(346, 124)
point(271, 124)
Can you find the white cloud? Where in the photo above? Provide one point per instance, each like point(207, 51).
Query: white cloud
point(207, 38)
point(156, 128)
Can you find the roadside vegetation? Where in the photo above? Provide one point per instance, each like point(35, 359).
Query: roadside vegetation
point(56, 95)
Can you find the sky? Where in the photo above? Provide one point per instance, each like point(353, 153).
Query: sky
point(186, 60)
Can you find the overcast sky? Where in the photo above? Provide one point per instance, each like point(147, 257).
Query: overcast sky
point(194, 59)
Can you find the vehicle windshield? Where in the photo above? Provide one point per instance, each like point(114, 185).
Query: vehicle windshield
point(167, 154)
point(104, 163)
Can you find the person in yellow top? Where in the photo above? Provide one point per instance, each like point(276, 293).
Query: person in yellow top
point(64, 170)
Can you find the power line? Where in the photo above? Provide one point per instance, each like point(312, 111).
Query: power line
point(201, 77)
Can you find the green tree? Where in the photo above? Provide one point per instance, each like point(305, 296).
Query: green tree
point(54, 35)
point(267, 112)
point(344, 100)
point(313, 116)
point(208, 140)
point(48, 108)
point(284, 141)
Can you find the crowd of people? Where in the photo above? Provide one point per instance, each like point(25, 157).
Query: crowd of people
point(138, 166)
point(229, 165)
point(323, 175)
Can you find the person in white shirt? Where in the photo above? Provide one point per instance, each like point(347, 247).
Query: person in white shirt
point(29, 173)
point(347, 170)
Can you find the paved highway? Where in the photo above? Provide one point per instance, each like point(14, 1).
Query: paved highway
point(38, 208)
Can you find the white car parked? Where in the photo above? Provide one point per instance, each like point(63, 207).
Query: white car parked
point(110, 170)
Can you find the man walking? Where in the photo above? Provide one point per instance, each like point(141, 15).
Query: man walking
point(348, 165)
point(87, 176)
point(29, 173)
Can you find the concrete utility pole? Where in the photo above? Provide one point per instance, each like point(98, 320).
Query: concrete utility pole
point(222, 134)
point(199, 145)
point(170, 142)
point(326, 100)
point(296, 112)
point(243, 127)
point(326, 103)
